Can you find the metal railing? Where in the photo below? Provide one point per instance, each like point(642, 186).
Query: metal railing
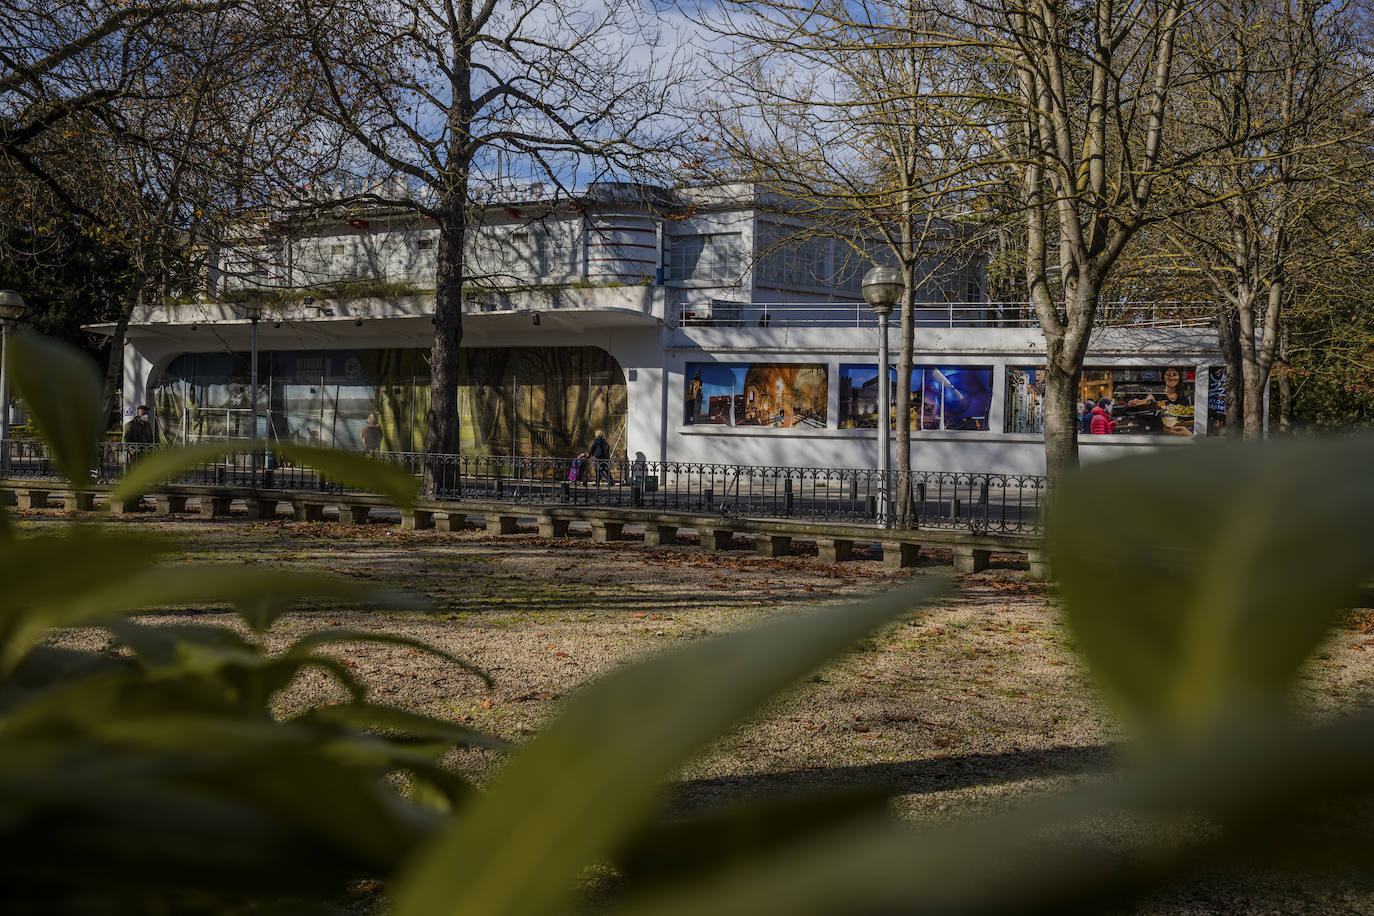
point(983, 502)
point(933, 314)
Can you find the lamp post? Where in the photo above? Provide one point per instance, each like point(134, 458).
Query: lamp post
point(11, 309)
point(254, 310)
point(882, 287)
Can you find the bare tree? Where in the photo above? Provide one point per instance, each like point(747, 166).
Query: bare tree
point(1280, 93)
point(448, 96)
point(856, 126)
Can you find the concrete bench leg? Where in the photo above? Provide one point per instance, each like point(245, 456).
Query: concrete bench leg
point(900, 554)
point(1039, 561)
point(215, 506)
point(169, 505)
point(7, 498)
point(834, 550)
point(78, 501)
point(261, 508)
point(354, 514)
point(550, 527)
point(304, 511)
point(717, 540)
point(418, 520)
point(658, 535)
point(32, 499)
point(121, 506)
point(772, 545)
point(606, 531)
point(449, 521)
point(501, 524)
point(971, 559)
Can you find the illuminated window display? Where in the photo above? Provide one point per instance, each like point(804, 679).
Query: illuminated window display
point(779, 395)
point(942, 397)
point(528, 401)
point(1151, 401)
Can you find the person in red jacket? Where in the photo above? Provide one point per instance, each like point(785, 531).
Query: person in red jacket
point(1102, 418)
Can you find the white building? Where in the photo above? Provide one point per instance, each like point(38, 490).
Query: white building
point(693, 326)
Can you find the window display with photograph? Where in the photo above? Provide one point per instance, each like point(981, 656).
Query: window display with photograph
point(942, 397)
point(777, 395)
point(1129, 400)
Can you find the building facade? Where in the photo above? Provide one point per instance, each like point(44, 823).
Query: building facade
point(700, 326)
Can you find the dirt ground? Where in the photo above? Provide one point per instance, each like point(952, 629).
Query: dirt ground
point(960, 707)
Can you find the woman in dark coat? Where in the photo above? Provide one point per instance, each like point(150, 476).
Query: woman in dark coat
point(600, 453)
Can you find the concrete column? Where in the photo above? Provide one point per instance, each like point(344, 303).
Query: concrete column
point(834, 550)
point(78, 501)
point(900, 554)
point(354, 513)
point(971, 559)
point(32, 498)
point(214, 506)
point(168, 505)
point(772, 545)
point(417, 520)
point(550, 527)
point(305, 511)
point(717, 540)
point(658, 535)
point(1039, 561)
point(603, 531)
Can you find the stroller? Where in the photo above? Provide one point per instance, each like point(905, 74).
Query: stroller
point(578, 470)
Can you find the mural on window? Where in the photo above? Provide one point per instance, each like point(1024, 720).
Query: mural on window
point(942, 397)
point(1151, 401)
point(756, 394)
point(529, 401)
point(1217, 382)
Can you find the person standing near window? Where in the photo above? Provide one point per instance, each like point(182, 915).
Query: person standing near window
point(372, 435)
point(600, 453)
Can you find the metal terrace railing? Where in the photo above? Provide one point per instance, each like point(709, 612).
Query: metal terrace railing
point(719, 313)
point(982, 502)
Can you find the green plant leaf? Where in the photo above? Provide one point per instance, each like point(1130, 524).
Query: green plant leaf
point(311, 641)
point(371, 716)
point(1215, 573)
point(157, 466)
point(356, 472)
point(65, 395)
point(579, 788)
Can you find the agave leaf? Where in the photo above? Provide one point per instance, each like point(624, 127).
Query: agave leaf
point(357, 472)
point(65, 396)
point(164, 644)
point(576, 791)
point(156, 587)
point(308, 643)
point(1184, 599)
point(371, 716)
point(1086, 851)
point(160, 465)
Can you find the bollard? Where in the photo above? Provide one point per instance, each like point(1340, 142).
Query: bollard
point(870, 507)
point(636, 495)
point(707, 498)
point(854, 487)
point(567, 492)
point(787, 496)
point(983, 493)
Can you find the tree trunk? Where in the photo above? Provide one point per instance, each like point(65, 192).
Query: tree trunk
point(442, 436)
point(1285, 386)
point(903, 402)
point(114, 364)
point(1061, 419)
point(1228, 336)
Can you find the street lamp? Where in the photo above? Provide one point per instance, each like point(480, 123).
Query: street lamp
point(11, 309)
point(882, 287)
point(254, 310)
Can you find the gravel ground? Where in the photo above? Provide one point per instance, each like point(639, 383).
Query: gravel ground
point(961, 707)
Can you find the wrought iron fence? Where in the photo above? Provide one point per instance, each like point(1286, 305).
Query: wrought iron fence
point(984, 502)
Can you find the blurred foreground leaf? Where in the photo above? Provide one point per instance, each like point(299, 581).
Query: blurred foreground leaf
point(65, 396)
point(577, 790)
point(1214, 573)
point(356, 472)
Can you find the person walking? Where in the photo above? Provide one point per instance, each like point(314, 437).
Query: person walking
point(1102, 423)
point(600, 453)
point(371, 435)
point(139, 430)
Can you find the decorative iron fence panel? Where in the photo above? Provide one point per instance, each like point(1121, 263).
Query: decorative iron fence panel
point(984, 502)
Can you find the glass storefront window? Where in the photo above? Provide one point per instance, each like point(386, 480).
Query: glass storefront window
point(781, 395)
point(1125, 400)
point(942, 397)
